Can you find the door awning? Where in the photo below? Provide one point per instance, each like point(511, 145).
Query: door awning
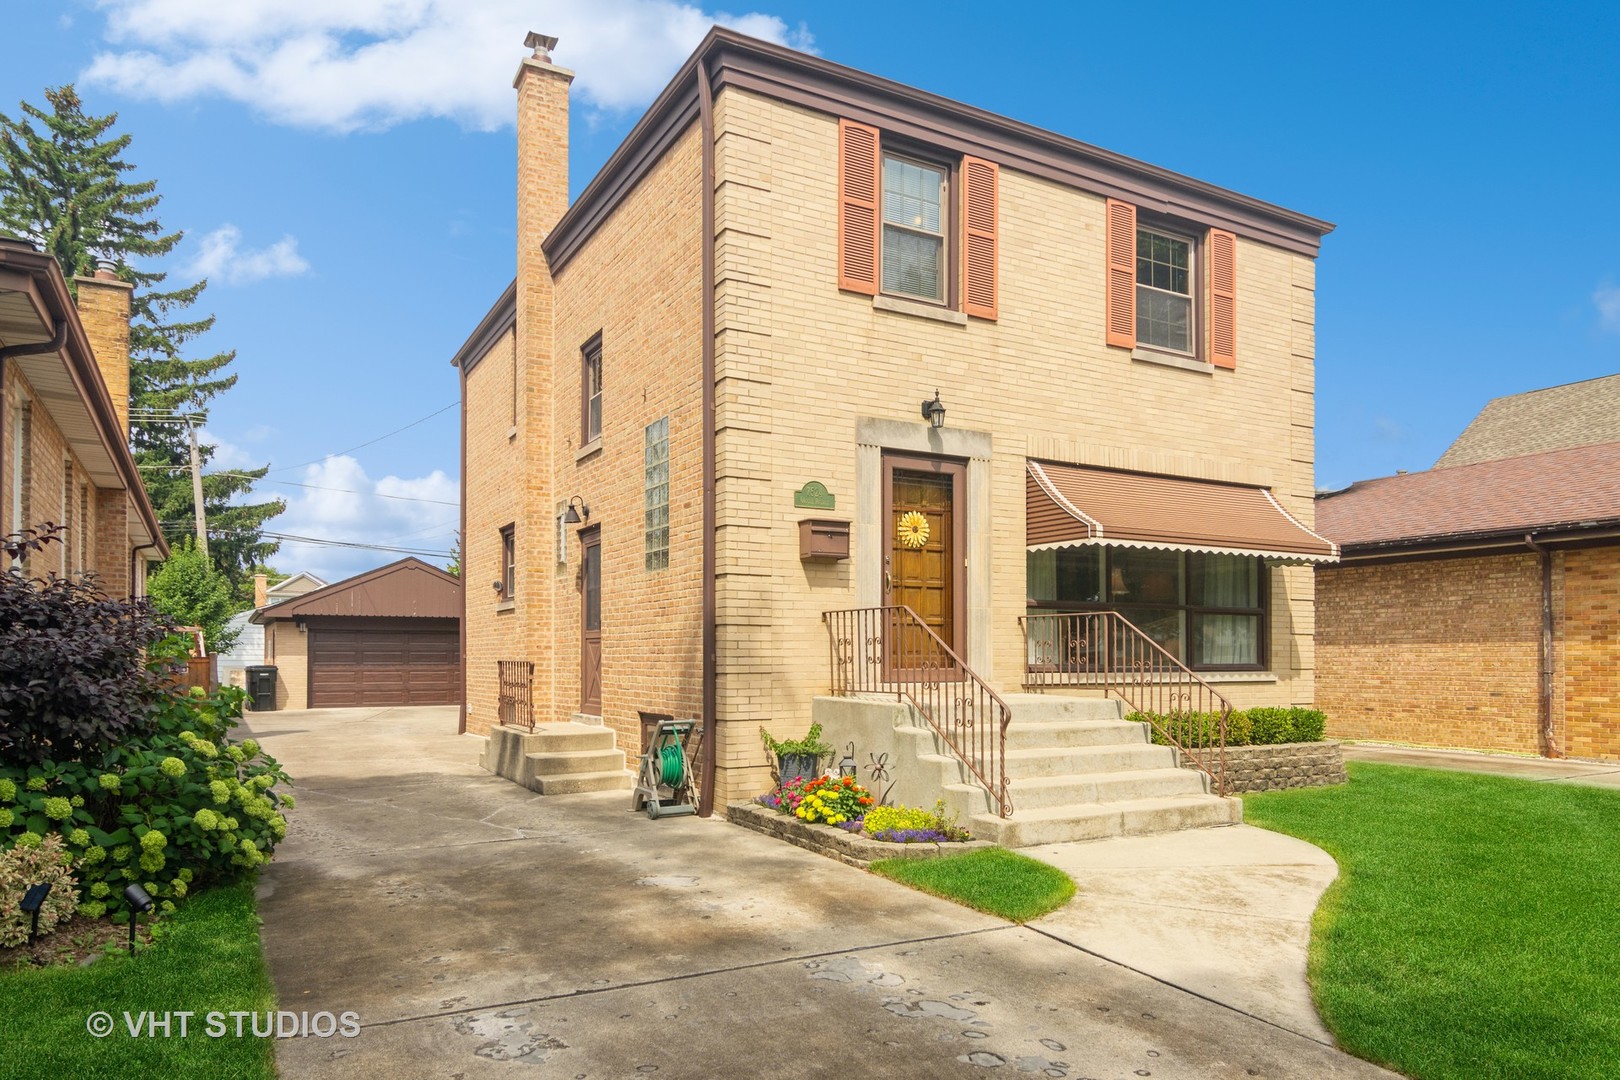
point(1072, 506)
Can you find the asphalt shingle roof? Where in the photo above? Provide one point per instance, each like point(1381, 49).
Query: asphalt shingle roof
point(1576, 414)
point(1568, 487)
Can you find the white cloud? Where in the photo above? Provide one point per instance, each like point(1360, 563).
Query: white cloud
point(222, 258)
point(343, 503)
point(226, 455)
point(1607, 301)
point(371, 64)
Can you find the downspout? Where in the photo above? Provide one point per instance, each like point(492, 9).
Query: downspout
point(710, 664)
point(135, 562)
point(1549, 748)
point(461, 554)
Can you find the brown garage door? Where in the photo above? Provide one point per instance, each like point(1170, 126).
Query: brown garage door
point(384, 665)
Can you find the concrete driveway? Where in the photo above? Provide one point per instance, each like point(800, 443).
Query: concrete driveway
point(480, 930)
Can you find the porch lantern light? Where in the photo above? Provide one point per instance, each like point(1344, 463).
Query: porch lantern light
point(139, 900)
point(32, 901)
point(847, 766)
point(934, 411)
point(576, 516)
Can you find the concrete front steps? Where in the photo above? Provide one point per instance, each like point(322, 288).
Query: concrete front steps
point(1078, 771)
point(558, 759)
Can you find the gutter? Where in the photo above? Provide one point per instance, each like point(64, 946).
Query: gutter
point(1548, 747)
point(52, 344)
point(710, 664)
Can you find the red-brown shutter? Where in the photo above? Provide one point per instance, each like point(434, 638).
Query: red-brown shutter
point(859, 167)
point(1121, 258)
point(980, 194)
point(1222, 299)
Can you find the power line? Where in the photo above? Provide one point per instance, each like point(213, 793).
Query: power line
point(378, 439)
point(313, 487)
point(316, 540)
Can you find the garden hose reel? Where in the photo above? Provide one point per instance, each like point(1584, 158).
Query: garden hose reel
point(666, 783)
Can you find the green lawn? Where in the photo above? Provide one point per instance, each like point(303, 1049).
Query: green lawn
point(1474, 931)
point(208, 959)
point(993, 880)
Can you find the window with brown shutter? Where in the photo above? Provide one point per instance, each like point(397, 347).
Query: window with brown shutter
point(1120, 241)
point(1222, 299)
point(858, 166)
point(980, 194)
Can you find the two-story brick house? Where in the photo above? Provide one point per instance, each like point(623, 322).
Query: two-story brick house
point(1006, 371)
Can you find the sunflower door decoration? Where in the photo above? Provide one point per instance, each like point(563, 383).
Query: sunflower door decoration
point(913, 530)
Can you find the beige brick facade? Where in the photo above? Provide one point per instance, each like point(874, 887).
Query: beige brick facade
point(1447, 652)
point(813, 384)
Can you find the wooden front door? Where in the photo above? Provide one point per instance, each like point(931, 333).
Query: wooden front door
point(590, 620)
point(923, 564)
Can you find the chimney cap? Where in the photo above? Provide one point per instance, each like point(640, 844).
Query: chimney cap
point(106, 269)
point(542, 44)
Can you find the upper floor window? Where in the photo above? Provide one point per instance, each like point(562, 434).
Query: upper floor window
point(1164, 298)
point(590, 390)
point(914, 217)
point(657, 495)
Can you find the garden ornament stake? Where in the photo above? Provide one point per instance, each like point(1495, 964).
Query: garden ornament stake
point(32, 901)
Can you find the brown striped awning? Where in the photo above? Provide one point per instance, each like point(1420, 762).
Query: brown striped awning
point(1072, 506)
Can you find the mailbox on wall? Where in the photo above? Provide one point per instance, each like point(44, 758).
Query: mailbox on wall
point(822, 540)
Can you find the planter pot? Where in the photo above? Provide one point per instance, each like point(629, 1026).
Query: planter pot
point(790, 766)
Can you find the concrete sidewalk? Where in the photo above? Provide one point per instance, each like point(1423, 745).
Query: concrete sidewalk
point(480, 930)
point(1545, 770)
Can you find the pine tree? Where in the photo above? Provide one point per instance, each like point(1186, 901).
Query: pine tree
point(63, 185)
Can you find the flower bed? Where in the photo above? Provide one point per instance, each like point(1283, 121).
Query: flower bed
point(838, 818)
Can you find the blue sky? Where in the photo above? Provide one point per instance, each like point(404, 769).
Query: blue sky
point(345, 180)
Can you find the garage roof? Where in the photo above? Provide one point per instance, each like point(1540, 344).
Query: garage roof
point(408, 589)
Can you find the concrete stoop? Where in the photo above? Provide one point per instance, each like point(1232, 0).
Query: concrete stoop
point(558, 759)
point(1076, 770)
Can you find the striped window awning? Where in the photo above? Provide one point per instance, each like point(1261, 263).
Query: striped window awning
point(1074, 506)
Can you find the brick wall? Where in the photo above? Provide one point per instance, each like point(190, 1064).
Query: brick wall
point(1443, 652)
point(1590, 691)
point(288, 650)
point(1281, 766)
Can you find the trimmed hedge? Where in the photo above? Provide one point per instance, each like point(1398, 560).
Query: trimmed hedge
point(1263, 726)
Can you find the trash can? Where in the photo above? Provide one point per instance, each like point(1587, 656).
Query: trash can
point(261, 687)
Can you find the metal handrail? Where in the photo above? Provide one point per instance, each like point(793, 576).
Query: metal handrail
point(514, 702)
point(890, 650)
point(1104, 649)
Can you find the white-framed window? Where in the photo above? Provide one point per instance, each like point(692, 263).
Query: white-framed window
point(590, 391)
point(915, 218)
point(1164, 291)
point(509, 563)
point(657, 494)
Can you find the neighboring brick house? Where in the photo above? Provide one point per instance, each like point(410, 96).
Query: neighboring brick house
point(739, 326)
point(64, 423)
point(1478, 603)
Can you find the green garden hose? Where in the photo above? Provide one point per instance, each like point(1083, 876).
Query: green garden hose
point(673, 766)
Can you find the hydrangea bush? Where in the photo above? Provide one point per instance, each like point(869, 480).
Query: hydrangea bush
point(172, 810)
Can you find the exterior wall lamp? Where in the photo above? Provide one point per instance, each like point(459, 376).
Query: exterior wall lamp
point(579, 515)
point(934, 411)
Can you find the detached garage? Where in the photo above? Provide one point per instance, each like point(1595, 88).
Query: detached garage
point(390, 636)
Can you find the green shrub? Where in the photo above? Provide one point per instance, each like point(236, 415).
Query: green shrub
point(35, 863)
point(908, 825)
point(171, 810)
point(1296, 724)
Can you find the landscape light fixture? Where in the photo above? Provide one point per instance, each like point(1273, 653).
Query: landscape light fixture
point(934, 411)
point(577, 516)
point(139, 900)
point(32, 901)
point(848, 767)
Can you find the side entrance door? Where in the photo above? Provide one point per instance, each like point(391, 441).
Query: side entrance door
point(923, 558)
point(590, 618)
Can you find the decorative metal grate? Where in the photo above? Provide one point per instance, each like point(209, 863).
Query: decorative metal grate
point(889, 650)
point(515, 704)
point(1106, 651)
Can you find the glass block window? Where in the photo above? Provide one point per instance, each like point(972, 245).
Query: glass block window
point(657, 511)
point(1164, 317)
point(913, 229)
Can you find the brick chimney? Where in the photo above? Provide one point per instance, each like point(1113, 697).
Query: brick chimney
point(542, 198)
point(261, 592)
point(104, 303)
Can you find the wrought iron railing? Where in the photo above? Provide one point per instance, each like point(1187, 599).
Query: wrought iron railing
point(514, 705)
point(1106, 651)
point(889, 650)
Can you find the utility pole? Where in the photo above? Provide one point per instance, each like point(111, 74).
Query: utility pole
point(196, 488)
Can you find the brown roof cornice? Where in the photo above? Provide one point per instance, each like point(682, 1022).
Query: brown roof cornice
point(491, 328)
point(86, 375)
point(745, 63)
